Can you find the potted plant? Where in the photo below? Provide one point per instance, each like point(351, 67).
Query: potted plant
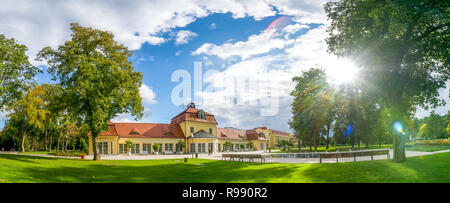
point(182, 144)
point(83, 155)
point(242, 146)
point(227, 145)
point(156, 148)
point(129, 145)
point(250, 145)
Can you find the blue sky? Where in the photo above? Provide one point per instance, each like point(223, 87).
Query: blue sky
point(227, 36)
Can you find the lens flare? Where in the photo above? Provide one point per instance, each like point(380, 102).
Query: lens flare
point(278, 23)
point(398, 127)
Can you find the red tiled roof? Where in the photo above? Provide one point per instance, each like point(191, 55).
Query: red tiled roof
point(236, 134)
point(190, 114)
point(277, 132)
point(231, 134)
point(144, 130)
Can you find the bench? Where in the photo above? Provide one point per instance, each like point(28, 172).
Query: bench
point(241, 157)
point(354, 154)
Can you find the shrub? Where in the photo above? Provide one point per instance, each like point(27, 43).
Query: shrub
point(433, 142)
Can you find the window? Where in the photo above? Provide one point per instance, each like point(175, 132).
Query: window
point(192, 130)
point(103, 147)
point(112, 152)
point(210, 131)
point(219, 148)
point(231, 147)
point(201, 115)
point(210, 147)
point(135, 149)
point(178, 148)
point(201, 147)
point(168, 148)
point(122, 149)
point(146, 148)
point(237, 147)
point(192, 147)
point(262, 146)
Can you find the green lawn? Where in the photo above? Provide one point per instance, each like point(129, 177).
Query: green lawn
point(15, 168)
point(427, 148)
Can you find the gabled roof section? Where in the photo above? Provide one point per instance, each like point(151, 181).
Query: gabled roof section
point(190, 114)
point(202, 134)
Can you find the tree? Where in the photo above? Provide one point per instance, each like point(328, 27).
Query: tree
point(129, 145)
point(156, 148)
point(433, 127)
point(311, 105)
point(97, 78)
point(16, 72)
point(402, 49)
point(182, 144)
point(28, 112)
point(228, 144)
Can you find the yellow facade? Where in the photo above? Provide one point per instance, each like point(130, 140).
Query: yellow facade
point(116, 144)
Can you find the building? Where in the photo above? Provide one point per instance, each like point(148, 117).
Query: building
point(197, 128)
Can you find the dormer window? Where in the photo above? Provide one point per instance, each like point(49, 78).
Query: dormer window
point(201, 115)
point(134, 131)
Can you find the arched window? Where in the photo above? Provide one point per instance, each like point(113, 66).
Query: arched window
point(201, 115)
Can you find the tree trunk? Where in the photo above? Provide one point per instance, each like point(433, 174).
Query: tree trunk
point(50, 144)
point(328, 135)
point(398, 146)
point(45, 138)
point(57, 146)
point(94, 145)
point(22, 146)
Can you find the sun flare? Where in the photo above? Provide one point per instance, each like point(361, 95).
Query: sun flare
point(342, 71)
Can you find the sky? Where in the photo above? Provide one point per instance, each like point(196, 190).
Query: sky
point(248, 51)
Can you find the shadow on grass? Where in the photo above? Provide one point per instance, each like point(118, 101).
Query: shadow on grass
point(154, 171)
point(424, 169)
point(23, 158)
point(431, 168)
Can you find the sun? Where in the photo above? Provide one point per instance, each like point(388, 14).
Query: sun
point(342, 71)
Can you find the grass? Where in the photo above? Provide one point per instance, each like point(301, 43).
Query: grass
point(427, 148)
point(54, 153)
point(22, 168)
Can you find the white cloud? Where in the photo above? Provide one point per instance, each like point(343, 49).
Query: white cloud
point(256, 44)
point(184, 36)
point(148, 98)
point(212, 26)
point(46, 23)
point(178, 53)
point(147, 94)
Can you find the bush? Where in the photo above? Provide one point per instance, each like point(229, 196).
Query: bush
point(433, 142)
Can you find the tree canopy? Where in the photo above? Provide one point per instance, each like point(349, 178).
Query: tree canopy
point(402, 48)
point(15, 70)
point(98, 80)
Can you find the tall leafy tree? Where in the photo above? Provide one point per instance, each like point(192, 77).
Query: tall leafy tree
point(311, 105)
point(15, 70)
point(402, 47)
point(98, 80)
point(28, 113)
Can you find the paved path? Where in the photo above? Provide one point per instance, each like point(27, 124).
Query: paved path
point(218, 156)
